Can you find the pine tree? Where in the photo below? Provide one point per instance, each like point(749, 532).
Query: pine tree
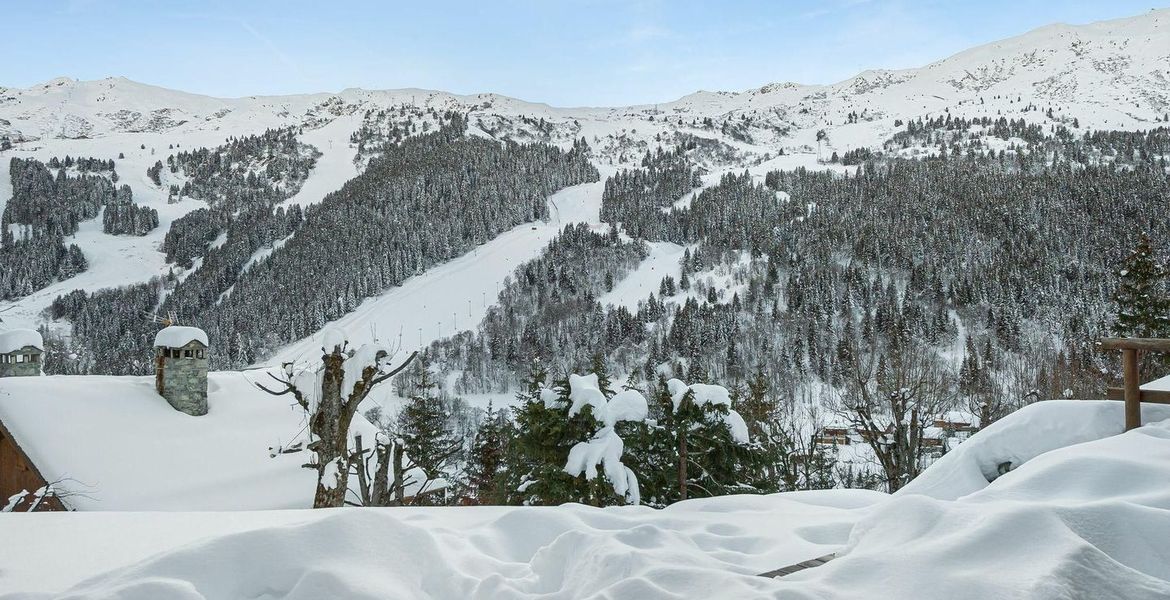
point(536, 455)
point(485, 466)
point(1143, 308)
point(424, 426)
point(700, 455)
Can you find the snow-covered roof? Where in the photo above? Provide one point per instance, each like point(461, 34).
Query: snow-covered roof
point(15, 339)
point(177, 336)
point(127, 449)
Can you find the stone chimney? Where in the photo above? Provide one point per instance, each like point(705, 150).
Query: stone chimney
point(181, 368)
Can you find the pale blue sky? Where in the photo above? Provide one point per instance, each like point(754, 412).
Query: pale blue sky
point(564, 52)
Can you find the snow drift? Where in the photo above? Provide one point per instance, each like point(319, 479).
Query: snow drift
point(1085, 514)
point(1026, 434)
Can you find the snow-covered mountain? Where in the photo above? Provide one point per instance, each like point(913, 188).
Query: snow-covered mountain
point(1112, 75)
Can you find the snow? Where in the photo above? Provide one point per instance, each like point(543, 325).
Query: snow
point(663, 260)
point(127, 449)
point(604, 448)
point(693, 549)
point(626, 405)
point(550, 398)
point(15, 339)
point(1162, 384)
point(333, 340)
point(711, 394)
point(1028, 433)
point(1084, 518)
point(177, 336)
point(583, 391)
point(1088, 520)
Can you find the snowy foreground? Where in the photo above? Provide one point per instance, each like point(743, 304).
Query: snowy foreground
point(1083, 513)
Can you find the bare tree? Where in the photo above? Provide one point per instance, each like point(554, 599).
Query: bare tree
point(49, 497)
point(385, 472)
point(890, 399)
point(331, 398)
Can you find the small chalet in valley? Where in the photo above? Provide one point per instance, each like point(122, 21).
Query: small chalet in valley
point(21, 353)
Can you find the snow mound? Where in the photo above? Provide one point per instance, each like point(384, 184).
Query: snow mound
point(1080, 518)
point(15, 339)
point(703, 548)
point(583, 391)
point(626, 405)
point(177, 336)
point(1089, 520)
point(605, 449)
point(1020, 437)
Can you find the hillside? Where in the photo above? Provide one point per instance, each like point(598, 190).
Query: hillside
point(1110, 75)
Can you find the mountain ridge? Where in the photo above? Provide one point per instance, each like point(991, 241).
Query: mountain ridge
point(1055, 63)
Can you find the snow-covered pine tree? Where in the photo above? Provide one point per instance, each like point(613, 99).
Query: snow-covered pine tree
point(708, 442)
point(537, 453)
point(1143, 307)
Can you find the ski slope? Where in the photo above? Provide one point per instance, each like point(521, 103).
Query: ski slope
point(455, 295)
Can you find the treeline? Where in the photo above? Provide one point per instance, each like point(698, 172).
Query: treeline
point(44, 204)
point(27, 265)
point(84, 164)
point(673, 442)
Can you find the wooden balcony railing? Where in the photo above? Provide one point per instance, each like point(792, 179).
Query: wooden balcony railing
point(1131, 392)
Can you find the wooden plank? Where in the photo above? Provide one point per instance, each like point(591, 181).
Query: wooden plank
point(1148, 396)
point(1133, 393)
point(800, 566)
point(1145, 344)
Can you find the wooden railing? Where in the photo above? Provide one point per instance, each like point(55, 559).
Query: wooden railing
point(1131, 391)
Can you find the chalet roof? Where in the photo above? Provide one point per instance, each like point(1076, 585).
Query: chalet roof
point(177, 336)
point(15, 339)
point(128, 449)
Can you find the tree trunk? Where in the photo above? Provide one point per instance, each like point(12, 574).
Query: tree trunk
point(682, 463)
point(381, 491)
point(330, 428)
point(399, 474)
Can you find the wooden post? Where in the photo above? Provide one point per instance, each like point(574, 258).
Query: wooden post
point(1133, 397)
